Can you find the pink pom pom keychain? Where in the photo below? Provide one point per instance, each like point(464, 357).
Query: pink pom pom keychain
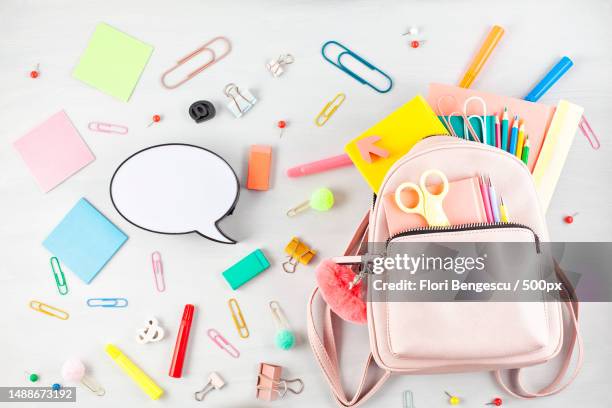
point(73, 370)
point(340, 290)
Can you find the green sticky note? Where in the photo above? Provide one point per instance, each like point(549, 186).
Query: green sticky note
point(113, 62)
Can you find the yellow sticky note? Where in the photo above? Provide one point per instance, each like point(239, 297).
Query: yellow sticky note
point(398, 132)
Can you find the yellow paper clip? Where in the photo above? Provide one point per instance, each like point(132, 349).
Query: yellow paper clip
point(241, 326)
point(49, 310)
point(298, 251)
point(330, 108)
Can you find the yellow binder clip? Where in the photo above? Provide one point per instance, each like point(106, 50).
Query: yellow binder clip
point(298, 252)
point(330, 108)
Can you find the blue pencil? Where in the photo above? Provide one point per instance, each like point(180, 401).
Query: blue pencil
point(513, 136)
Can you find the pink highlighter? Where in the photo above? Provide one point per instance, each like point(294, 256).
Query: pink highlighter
point(320, 165)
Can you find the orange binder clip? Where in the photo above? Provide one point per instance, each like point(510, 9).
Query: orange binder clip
point(213, 59)
point(298, 251)
point(271, 386)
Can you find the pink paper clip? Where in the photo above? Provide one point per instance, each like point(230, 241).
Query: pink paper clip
point(107, 128)
point(588, 132)
point(158, 272)
point(222, 342)
point(213, 59)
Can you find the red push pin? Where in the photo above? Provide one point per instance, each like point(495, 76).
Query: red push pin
point(34, 74)
point(156, 118)
point(281, 125)
point(496, 401)
point(416, 43)
point(569, 219)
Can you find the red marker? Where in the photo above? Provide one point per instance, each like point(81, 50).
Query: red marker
point(182, 337)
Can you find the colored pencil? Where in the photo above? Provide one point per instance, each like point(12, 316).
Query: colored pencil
point(497, 132)
point(504, 129)
point(513, 136)
point(503, 210)
point(485, 199)
point(525, 154)
point(520, 141)
point(493, 200)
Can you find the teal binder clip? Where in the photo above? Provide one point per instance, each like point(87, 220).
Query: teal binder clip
point(338, 64)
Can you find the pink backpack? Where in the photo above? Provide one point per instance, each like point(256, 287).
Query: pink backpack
point(397, 344)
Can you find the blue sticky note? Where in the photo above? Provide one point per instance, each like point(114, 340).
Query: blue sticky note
point(85, 240)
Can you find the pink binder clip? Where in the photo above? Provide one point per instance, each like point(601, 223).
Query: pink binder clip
point(222, 342)
point(588, 132)
point(213, 59)
point(158, 272)
point(107, 128)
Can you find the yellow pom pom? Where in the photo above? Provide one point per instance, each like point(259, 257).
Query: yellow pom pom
point(322, 199)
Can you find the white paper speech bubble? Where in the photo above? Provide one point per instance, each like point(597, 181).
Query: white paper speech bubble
point(176, 189)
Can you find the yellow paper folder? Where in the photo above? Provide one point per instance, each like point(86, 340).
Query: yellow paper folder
point(557, 143)
point(398, 132)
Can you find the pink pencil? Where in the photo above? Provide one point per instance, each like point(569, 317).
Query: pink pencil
point(320, 165)
point(485, 199)
point(497, 132)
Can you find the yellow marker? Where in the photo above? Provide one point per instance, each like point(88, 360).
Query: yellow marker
point(503, 210)
point(139, 377)
point(520, 141)
point(484, 53)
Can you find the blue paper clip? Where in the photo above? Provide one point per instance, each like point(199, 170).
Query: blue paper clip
point(338, 64)
point(107, 302)
point(58, 274)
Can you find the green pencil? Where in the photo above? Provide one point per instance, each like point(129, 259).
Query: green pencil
point(525, 154)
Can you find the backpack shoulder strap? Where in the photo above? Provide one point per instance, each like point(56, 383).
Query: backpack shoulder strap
point(575, 341)
point(325, 350)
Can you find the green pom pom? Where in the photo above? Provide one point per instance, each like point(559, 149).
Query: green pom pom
point(33, 377)
point(322, 199)
point(284, 339)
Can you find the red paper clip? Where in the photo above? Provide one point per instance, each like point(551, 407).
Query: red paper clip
point(107, 128)
point(213, 60)
point(158, 272)
point(222, 342)
point(588, 132)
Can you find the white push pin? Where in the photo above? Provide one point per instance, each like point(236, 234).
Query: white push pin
point(413, 31)
point(151, 333)
point(215, 382)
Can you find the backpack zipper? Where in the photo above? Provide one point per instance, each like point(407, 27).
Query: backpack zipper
point(450, 228)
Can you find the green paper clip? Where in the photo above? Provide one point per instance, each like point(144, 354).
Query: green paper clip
point(62, 286)
point(338, 64)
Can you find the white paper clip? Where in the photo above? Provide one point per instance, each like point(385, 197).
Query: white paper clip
point(276, 66)
point(241, 101)
point(215, 382)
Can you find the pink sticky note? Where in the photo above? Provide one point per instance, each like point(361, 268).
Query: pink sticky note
point(53, 151)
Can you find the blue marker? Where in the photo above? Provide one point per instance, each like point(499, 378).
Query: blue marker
point(549, 80)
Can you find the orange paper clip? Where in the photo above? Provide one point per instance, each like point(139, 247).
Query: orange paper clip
point(213, 59)
point(241, 326)
point(49, 310)
point(297, 251)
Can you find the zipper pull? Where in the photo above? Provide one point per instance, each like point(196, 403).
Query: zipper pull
point(357, 279)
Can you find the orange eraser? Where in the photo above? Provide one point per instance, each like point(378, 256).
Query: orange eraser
point(260, 158)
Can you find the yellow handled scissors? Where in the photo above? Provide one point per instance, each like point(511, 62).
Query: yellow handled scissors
point(429, 205)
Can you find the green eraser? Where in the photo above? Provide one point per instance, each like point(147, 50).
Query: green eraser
point(246, 269)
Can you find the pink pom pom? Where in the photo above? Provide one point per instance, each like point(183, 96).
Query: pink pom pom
point(334, 281)
point(73, 370)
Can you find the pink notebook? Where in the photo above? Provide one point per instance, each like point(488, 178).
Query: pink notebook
point(462, 205)
point(537, 116)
